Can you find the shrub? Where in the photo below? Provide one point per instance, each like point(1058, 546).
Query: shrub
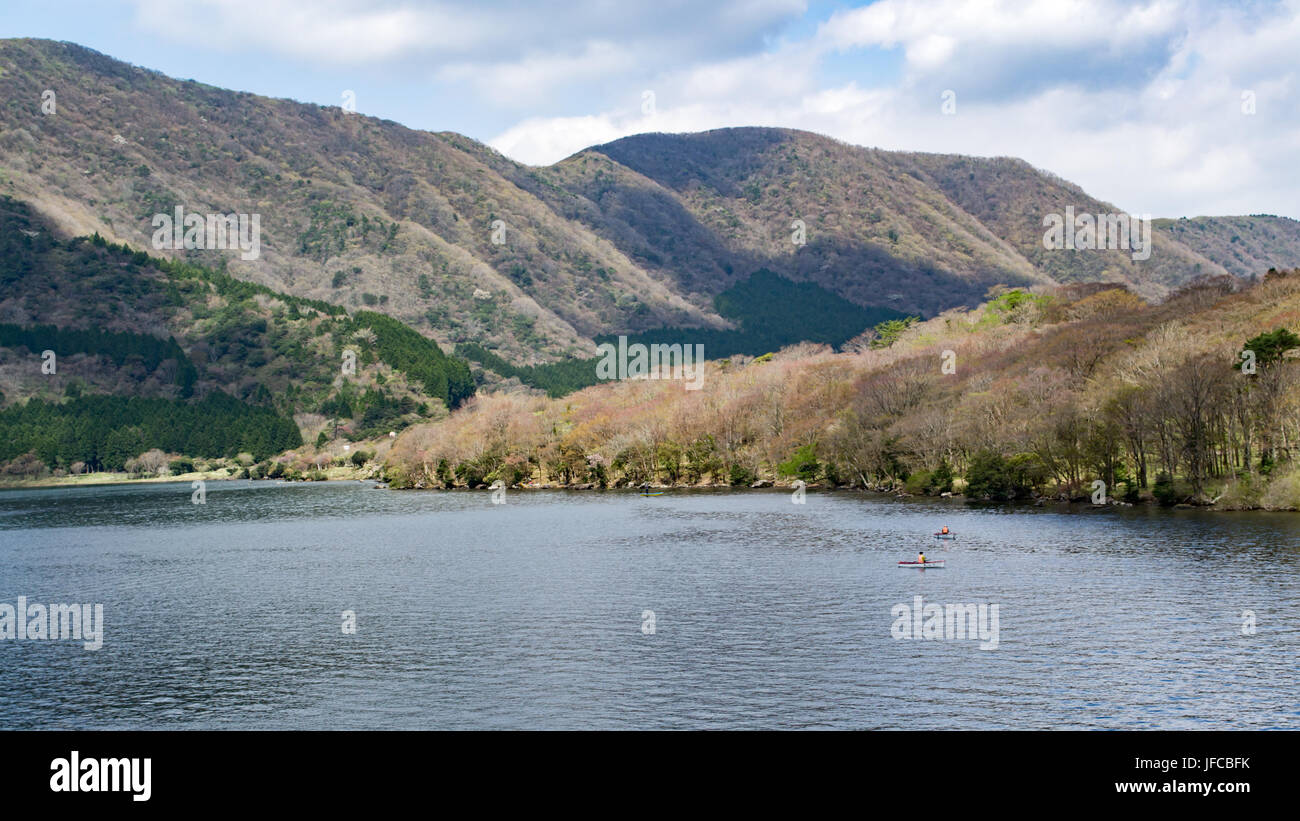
point(27, 465)
point(1283, 493)
point(471, 473)
point(941, 478)
point(740, 475)
point(514, 470)
point(918, 482)
point(802, 465)
point(1164, 491)
point(669, 457)
point(1241, 493)
point(1270, 347)
point(988, 477)
point(1132, 493)
point(888, 332)
point(701, 459)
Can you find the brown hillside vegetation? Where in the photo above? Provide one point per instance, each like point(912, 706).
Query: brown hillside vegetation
point(637, 234)
point(1051, 391)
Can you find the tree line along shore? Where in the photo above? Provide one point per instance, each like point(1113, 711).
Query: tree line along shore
point(1033, 395)
point(1190, 401)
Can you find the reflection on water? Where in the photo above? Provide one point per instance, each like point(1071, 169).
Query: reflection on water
point(529, 614)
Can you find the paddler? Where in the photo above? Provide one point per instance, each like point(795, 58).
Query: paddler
point(920, 558)
point(944, 531)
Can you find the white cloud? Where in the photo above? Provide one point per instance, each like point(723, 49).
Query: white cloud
point(1003, 23)
point(442, 34)
point(1139, 104)
point(336, 31)
point(1154, 125)
point(536, 76)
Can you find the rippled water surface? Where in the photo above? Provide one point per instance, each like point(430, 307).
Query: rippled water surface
point(529, 614)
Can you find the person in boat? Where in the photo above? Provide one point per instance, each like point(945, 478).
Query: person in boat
point(944, 531)
point(920, 558)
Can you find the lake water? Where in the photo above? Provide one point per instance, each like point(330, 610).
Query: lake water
point(531, 613)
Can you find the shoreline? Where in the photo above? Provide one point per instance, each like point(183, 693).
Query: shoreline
point(352, 474)
point(333, 474)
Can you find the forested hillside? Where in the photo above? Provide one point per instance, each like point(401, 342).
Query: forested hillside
point(1190, 401)
point(768, 312)
point(107, 352)
point(380, 244)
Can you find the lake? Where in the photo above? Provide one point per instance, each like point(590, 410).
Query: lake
point(533, 613)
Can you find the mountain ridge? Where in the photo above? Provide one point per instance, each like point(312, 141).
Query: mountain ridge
point(626, 237)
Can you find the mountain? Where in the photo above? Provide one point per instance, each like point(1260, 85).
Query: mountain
point(534, 265)
point(355, 210)
point(106, 351)
point(918, 232)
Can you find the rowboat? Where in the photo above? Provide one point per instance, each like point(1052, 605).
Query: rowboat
point(945, 536)
point(937, 563)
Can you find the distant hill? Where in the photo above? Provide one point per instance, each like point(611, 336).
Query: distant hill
point(921, 232)
point(769, 313)
point(1245, 246)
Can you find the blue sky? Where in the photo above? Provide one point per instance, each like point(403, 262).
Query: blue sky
point(1167, 107)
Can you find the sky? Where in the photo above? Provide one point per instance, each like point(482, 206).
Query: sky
point(1169, 108)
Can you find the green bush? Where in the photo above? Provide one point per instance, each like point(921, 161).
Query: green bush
point(919, 482)
point(802, 465)
point(988, 477)
point(888, 332)
point(1270, 347)
point(941, 478)
point(1164, 490)
point(740, 475)
point(471, 473)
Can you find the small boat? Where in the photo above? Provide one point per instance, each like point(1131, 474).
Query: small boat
point(945, 536)
point(655, 493)
point(937, 563)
